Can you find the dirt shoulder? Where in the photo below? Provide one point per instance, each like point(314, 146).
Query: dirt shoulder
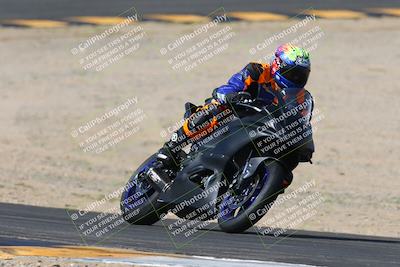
point(44, 94)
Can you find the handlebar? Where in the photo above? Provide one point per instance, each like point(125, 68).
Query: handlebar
point(257, 109)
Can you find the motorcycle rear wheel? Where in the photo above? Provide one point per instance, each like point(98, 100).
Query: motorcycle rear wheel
point(139, 203)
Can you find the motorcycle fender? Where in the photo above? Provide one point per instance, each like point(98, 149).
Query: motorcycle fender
point(254, 163)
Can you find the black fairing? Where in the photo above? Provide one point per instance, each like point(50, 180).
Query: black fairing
point(213, 158)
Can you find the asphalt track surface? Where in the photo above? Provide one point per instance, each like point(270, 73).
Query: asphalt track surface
point(22, 225)
point(55, 9)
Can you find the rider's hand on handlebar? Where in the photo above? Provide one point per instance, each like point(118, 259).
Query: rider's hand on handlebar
point(241, 97)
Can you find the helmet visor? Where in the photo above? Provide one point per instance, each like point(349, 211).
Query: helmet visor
point(297, 75)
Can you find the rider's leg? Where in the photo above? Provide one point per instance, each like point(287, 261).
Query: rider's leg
point(169, 153)
point(195, 119)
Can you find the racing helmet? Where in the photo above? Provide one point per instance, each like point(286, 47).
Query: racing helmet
point(291, 66)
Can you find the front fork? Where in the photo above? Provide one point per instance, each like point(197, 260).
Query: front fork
point(159, 180)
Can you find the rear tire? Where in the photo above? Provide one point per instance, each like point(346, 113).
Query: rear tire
point(252, 214)
point(145, 209)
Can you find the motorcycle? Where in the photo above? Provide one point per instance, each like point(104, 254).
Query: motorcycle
point(230, 173)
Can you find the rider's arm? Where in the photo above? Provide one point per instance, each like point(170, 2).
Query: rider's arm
point(239, 82)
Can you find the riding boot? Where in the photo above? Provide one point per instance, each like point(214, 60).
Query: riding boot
point(171, 152)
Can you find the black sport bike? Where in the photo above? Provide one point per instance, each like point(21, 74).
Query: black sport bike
point(236, 172)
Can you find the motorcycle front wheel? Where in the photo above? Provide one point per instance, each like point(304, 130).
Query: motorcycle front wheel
point(238, 211)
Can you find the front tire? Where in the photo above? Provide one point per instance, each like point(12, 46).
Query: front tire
point(236, 218)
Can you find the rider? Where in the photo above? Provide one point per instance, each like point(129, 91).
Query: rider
point(290, 68)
